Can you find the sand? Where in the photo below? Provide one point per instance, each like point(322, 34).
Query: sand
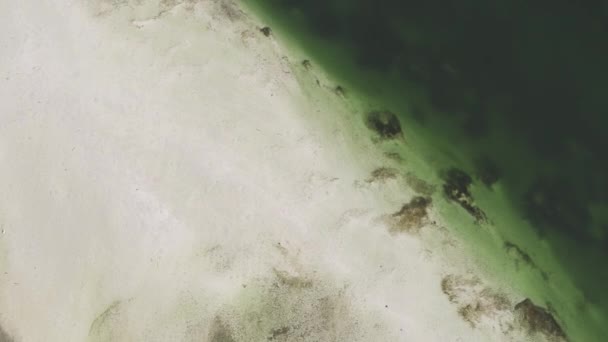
point(171, 173)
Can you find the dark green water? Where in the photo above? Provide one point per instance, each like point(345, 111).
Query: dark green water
point(515, 93)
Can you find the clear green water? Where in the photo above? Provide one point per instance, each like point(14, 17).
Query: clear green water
point(519, 84)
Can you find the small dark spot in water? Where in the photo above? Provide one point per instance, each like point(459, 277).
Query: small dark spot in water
point(412, 216)
point(385, 123)
point(339, 90)
point(487, 171)
point(544, 275)
point(521, 255)
point(394, 156)
point(419, 185)
point(456, 188)
point(538, 320)
point(266, 31)
point(306, 64)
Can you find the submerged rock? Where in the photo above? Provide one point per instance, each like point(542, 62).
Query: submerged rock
point(538, 320)
point(385, 123)
point(339, 90)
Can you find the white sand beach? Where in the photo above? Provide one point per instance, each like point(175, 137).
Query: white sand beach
point(170, 173)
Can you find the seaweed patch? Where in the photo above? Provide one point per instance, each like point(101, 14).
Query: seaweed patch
point(382, 174)
point(266, 31)
point(412, 216)
point(521, 255)
point(476, 302)
point(385, 123)
point(456, 189)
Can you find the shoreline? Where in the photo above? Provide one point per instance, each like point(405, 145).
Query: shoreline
point(185, 177)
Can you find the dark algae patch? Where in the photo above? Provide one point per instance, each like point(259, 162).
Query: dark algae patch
point(456, 188)
point(512, 91)
point(306, 64)
point(385, 123)
point(266, 31)
point(340, 91)
point(521, 256)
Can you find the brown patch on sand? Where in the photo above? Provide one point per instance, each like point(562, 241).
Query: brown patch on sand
point(412, 216)
point(293, 308)
point(293, 281)
point(220, 332)
point(475, 301)
point(394, 156)
point(382, 174)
